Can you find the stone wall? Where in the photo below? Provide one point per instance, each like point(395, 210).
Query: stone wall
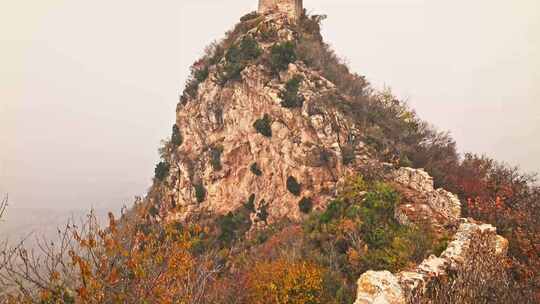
point(293, 8)
point(421, 202)
point(474, 251)
point(471, 260)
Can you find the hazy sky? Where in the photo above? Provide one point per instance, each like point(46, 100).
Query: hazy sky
point(89, 88)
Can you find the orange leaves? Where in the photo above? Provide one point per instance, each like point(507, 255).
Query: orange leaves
point(285, 283)
point(354, 257)
point(132, 261)
point(113, 277)
point(504, 197)
point(112, 223)
point(82, 292)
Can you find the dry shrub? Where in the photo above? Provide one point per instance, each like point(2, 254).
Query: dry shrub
point(130, 261)
point(477, 280)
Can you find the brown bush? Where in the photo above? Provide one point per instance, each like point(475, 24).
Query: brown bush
point(132, 261)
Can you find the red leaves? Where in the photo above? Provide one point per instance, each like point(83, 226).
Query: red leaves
point(507, 199)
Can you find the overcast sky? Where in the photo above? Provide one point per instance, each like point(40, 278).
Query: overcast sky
point(89, 88)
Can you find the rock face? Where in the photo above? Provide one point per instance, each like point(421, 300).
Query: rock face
point(473, 244)
point(293, 8)
point(303, 146)
point(221, 146)
point(379, 287)
point(421, 201)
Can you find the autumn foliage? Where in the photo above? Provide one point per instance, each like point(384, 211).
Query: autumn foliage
point(285, 282)
point(500, 195)
point(127, 262)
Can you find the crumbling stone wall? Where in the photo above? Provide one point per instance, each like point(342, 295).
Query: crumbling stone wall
point(464, 271)
point(470, 265)
point(421, 202)
point(293, 8)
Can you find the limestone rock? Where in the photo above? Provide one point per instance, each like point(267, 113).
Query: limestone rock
point(379, 287)
point(415, 179)
point(384, 287)
point(293, 8)
point(421, 201)
point(303, 145)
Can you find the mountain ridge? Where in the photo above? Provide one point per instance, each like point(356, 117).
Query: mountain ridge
point(289, 179)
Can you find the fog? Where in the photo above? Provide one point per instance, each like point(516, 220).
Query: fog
point(89, 88)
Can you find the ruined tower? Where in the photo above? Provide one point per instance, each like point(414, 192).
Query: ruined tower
point(293, 8)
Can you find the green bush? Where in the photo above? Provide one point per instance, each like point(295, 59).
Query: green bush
point(231, 71)
point(281, 55)
point(237, 58)
point(326, 156)
point(305, 205)
point(333, 210)
point(404, 161)
point(176, 138)
point(250, 204)
point(162, 170)
point(289, 96)
point(154, 211)
point(255, 169)
point(293, 186)
point(233, 226)
point(264, 125)
point(190, 91)
point(197, 76)
point(201, 74)
point(368, 210)
point(249, 49)
point(215, 157)
point(200, 192)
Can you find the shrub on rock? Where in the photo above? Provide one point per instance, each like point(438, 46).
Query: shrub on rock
point(176, 138)
point(305, 205)
point(162, 170)
point(264, 126)
point(293, 186)
point(255, 169)
point(215, 157)
point(281, 55)
point(290, 97)
point(200, 193)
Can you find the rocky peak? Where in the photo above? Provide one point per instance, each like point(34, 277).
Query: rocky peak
point(272, 135)
point(259, 126)
point(263, 129)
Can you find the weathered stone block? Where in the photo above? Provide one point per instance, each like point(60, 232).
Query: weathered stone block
point(293, 8)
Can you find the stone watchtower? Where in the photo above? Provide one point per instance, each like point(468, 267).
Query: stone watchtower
point(294, 8)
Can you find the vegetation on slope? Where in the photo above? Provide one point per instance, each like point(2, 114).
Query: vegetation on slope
point(493, 192)
point(212, 259)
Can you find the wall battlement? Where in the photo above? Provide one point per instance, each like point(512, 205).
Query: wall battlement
point(293, 8)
